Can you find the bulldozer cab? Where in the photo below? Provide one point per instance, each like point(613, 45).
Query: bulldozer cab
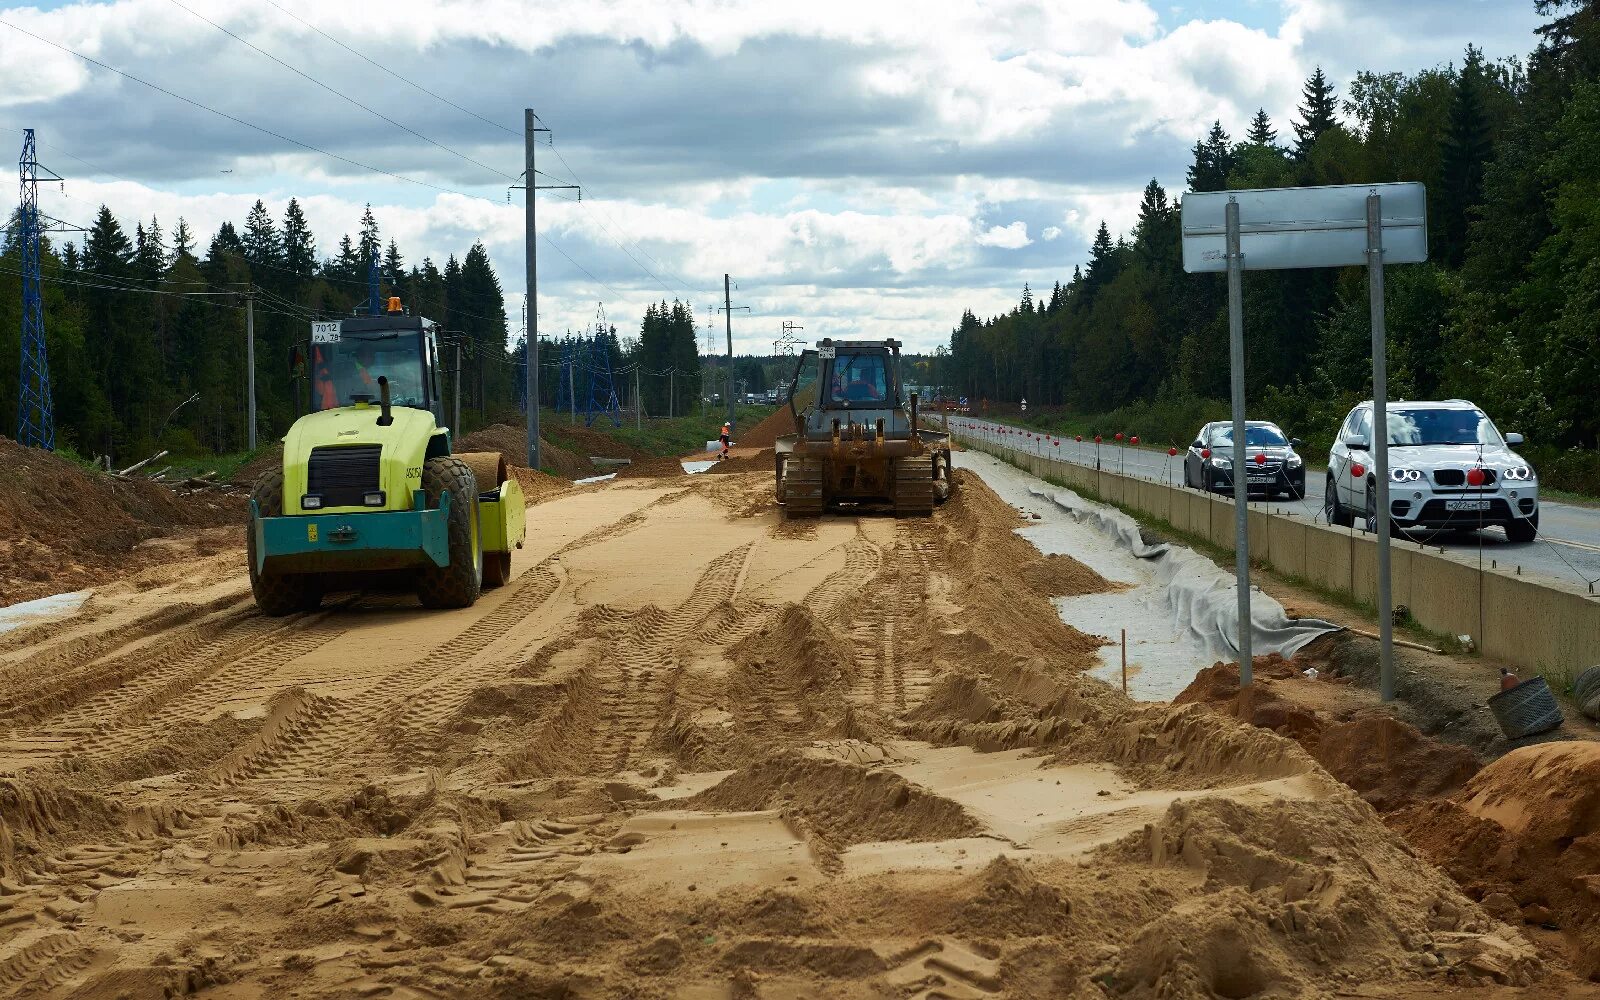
point(346, 358)
point(848, 381)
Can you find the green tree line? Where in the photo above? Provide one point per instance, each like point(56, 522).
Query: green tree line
point(1506, 311)
point(138, 323)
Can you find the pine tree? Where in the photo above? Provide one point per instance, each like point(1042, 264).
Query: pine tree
point(1316, 113)
point(394, 266)
point(1466, 151)
point(1261, 131)
point(182, 241)
point(299, 252)
point(371, 241)
point(1213, 161)
point(261, 247)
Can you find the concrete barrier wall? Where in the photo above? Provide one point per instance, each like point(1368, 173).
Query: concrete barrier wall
point(1534, 624)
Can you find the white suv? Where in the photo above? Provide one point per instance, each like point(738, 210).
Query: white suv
point(1449, 467)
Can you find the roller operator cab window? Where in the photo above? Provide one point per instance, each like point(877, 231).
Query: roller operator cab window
point(860, 379)
point(349, 368)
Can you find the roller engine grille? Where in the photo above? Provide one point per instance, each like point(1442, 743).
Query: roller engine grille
point(343, 475)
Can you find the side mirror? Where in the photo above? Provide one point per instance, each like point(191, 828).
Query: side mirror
point(295, 358)
point(1356, 443)
point(1296, 443)
point(1514, 439)
point(1198, 443)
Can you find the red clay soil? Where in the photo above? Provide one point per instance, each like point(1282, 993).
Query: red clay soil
point(1523, 838)
point(1388, 762)
point(63, 528)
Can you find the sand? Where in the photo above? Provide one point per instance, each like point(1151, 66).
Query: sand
point(690, 751)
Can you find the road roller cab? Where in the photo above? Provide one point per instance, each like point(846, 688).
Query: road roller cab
point(369, 483)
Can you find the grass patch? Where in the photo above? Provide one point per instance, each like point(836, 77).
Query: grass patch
point(663, 436)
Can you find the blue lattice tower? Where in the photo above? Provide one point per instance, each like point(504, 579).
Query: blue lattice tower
point(36, 422)
point(602, 390)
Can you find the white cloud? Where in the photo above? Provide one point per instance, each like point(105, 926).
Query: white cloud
point(1050, 233)
point(1012, 237)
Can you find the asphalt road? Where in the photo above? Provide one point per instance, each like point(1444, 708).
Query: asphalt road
point(1567, 549)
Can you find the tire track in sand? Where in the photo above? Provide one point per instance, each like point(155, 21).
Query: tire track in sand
point(644, 669)
point(325, 728)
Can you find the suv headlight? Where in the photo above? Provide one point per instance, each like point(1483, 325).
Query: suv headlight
point(1519, 474)
point(1295, 461)
point(1405, 475)
point(1221, 463)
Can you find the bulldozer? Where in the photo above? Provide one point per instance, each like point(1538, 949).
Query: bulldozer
point(369, 487)
point(858, 440)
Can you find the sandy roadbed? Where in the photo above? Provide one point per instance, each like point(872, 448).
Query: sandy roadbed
point(690, 751)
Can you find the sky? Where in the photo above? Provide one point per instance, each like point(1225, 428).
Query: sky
point(858, 167)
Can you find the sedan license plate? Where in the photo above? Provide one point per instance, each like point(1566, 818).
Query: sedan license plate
point(1260, 478)
point(1466, 505)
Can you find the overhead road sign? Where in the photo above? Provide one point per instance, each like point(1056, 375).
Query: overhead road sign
point(1286, 228)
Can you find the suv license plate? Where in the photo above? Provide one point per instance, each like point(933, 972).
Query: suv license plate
point(1466, 505)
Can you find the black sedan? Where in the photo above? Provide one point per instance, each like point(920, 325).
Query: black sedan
point(1271, 464)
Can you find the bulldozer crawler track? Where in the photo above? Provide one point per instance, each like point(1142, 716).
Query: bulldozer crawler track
point(913, 486)
point(805, 490)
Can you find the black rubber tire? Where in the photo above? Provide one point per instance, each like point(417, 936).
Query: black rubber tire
point(1338, 516)
point(496, 569)
point(1523, 530)
point(278, 594)
point(459, 584)
point(1297, 493)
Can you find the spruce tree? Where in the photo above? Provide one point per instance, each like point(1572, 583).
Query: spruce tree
point(299, 252)
point(1213, 161)
point(1261, 131)
point(261, 247)
point(1316, 113)
point(1466, 151)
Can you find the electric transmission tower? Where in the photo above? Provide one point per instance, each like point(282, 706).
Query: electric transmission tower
point(602, 390)
point(36, 419)
point(786, 343)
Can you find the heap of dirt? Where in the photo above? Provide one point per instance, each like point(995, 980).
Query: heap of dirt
point(1387, 761)
point(512, 443)
point(766, 434)
point(759, 462)
point(1523, 838)
point(652, 467)
point(63, 528)
point(835, 804)
point(537, 486)
point(268, 458)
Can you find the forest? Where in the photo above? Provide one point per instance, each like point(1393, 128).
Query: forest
point(1504, 312)
point(145, 331)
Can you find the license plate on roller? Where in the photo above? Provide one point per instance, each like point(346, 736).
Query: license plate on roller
point(1466, 505)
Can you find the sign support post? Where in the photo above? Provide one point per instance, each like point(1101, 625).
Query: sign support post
point(1241, 481)
point(1380, 444)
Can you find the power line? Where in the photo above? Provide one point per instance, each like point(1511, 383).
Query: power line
point(340, 94)
point(237, 121)
point(397, 76)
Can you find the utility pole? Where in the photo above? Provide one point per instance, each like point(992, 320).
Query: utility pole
point(529, 236)
point(672, 393)
point(250, 362)
point(638, 404)
point(456, 424)
point(727, 309)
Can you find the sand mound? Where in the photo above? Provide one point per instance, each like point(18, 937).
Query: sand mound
point(512, 442)
point(1523, 837)
point(836, 804)
point(63, 528)
point(765, 434)
point(762, 461)
point(1297, 887)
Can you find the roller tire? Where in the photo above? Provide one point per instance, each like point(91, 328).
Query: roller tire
point(496, 569)
point(459, 584)
point(278, 594)
point(913, 486)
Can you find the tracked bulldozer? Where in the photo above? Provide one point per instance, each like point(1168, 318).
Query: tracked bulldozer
point(858, 439)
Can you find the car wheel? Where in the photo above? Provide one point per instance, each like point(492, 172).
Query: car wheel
point(1335, 511)
point(1297, 492)
point(1523, 531)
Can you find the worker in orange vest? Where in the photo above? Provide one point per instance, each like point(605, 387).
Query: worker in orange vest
point(726, 438)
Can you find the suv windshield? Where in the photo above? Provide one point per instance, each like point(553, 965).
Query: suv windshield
point(350, 367)
point(1408, 427)
point(859, 378)
point(1264, 437)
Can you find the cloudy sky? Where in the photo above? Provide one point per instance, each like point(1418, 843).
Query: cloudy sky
point(858, 166)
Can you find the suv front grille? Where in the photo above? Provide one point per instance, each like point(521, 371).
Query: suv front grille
point(1458, 477)
point(343, 475)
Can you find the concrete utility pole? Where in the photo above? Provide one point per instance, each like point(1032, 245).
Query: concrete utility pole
point(727, 309)
point(456, 425)
point(530, 232)
point(250, 362)
point(638, 404)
